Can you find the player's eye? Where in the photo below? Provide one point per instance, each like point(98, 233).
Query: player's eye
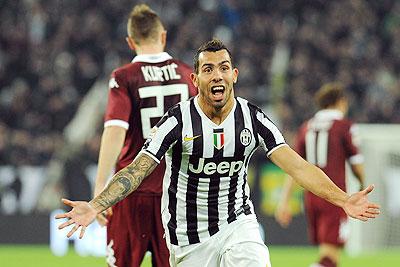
point(207, 69)
point(224, 68)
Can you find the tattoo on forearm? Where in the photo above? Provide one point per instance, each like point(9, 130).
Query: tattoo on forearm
point(125, 181)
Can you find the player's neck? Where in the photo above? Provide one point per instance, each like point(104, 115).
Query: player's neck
point(338, 108)
point(216, 115)
point(149, 49)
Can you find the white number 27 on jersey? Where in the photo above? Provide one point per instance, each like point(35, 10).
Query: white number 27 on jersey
point(159, 92)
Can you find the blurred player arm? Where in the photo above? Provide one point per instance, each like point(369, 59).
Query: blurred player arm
point(315, 180)
point(358, 171)
point(283, 213)
point(351, 143)
point(121, 185)
point(112, 142)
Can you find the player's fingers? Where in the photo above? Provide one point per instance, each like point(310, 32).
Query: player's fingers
point(60, 216)
point(83, 229)
point(374, 206)
point(369, 215)
point(68, 202)
point(285, 223)
point(73, 230)
point(67, 223)
point(369, 189)
point(284, 220)
point(361, 218)
point(373, 211)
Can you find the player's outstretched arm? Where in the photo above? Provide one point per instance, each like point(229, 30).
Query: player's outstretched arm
point(121, 185)
point(315, 180)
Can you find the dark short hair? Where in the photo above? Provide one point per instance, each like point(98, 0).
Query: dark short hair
point(329, 94)
point(211, 46)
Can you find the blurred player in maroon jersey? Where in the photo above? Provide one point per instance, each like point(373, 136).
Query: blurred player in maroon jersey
point(326, 140)
point(140, 93)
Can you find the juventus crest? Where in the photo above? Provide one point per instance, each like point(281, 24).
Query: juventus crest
point(245, 137)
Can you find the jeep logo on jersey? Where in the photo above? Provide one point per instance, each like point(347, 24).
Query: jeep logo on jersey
point(208, 166)
point(245, 137)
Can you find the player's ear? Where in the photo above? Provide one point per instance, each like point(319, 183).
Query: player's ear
point(235, 75)
point(131, 43)
point(164, 38)
point(195, 81)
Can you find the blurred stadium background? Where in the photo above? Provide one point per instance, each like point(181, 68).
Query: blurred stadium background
point(55, 59)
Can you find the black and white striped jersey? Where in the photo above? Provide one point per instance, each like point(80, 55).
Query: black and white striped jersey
point(205, 183)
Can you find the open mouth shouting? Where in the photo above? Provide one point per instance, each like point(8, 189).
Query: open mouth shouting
point(217, 92)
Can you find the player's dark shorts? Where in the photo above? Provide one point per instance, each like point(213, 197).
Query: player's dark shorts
point(134, 228)
point(327, 223)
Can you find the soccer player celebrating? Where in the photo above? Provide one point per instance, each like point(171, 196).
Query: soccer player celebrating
point(140, 93)
point(207, 142)
point(326, 140)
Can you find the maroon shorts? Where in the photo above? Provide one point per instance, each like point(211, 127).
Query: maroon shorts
point(327, 223)
point(134, 228)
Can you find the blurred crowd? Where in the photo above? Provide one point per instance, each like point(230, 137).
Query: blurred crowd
point(52, 52)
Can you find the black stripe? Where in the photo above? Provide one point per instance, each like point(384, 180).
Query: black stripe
point(239, 126)
point(247, 159)
point(239, 152)
point(253, 114)
point(173, 186)
point(166, 143)
point(266, 133)
point(247, 209)
point(213, 215)
point(193, 182)
point(213, 191)
point(245, 197)
point(172, 191)
point(244, 191)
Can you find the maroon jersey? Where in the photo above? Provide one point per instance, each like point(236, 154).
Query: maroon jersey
point(140, 93)
point(327, 141)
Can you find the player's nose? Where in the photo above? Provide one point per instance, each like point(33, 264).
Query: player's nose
point(217, 77)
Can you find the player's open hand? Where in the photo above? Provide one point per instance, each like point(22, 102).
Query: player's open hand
point(283, 215)
point(81, 215)
point(359, 207)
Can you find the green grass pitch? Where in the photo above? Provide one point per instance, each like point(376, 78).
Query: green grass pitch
point(40, 256)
